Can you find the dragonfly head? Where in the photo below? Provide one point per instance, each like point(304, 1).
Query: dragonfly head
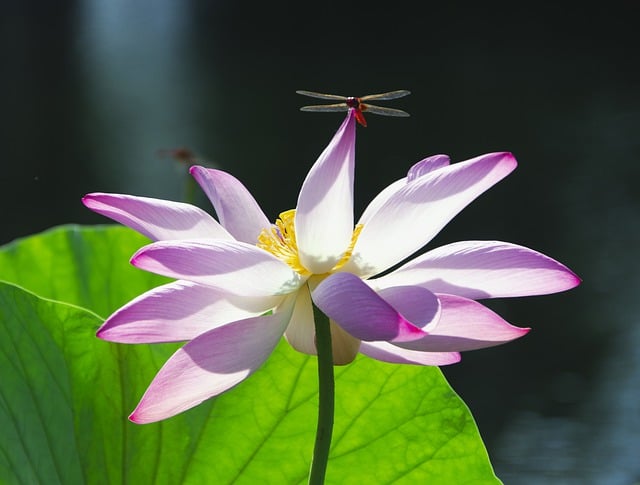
point(353, 102)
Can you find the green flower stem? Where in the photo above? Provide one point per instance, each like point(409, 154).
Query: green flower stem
point(189, 188)
point(326, 394)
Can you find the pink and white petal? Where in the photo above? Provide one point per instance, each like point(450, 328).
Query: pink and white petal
point(156, 218)
point(324, 214)
point(238, 211)
point(211, 364)
point(483, 269)
point(427, 165)
point(178, 311)
point(419, 169)
point(387, 352)
point(465, 325)
point(353, 305)
point(413, 215)
point(301, 332)
point(239, 268)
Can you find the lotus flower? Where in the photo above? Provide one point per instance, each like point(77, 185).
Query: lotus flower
point(242, 283)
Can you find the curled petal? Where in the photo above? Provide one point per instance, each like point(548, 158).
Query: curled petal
point(483, 269)
point(419, 169)
point(238, 211)
point(210, 364)
point(387, 352)
point(155, 218)
point(353, 305)
point(426, 166)
point(239, 268)
point(415, 213)
point(178, 311)
point(465, 325)
point(324, 214)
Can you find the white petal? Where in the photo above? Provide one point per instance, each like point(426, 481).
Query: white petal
point(239, 268)
point(178, 311)
point(324, 213)
point(301, 332)
point(413, 215)
point(419, 169)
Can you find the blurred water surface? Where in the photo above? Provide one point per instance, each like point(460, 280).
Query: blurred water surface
point(92, 90)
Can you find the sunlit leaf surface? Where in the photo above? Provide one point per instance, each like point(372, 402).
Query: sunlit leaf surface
point(65, 395)
point(86, 266)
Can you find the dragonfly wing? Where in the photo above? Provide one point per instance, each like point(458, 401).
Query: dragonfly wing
point(383, 96)
point(379, 110)
point(322, 96)
point(326, 107)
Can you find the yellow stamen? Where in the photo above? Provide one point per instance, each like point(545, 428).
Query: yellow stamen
point(280, 240)
point(347, 254)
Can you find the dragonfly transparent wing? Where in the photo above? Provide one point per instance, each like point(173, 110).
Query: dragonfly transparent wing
point(383, 96)
point(379, 110)
point(322, 96)
point(326, 107)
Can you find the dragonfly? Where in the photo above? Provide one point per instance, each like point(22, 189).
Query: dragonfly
point(359, 105)
point(181, 154)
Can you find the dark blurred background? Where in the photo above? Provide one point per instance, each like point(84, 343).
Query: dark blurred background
point(92, 89)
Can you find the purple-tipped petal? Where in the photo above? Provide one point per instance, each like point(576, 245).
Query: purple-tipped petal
point(414, 214)
point(179, 311)
point(324, 214)
point(465, 325)
point(240, 268)
point(209, 365)
point(364, 314)
point(155, 218)
point(393, 354)
point(483, 269)
point(238, 211)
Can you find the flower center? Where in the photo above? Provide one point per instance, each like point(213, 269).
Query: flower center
point(280, 240)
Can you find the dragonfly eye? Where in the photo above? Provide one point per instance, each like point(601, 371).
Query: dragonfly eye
point(353, 102)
